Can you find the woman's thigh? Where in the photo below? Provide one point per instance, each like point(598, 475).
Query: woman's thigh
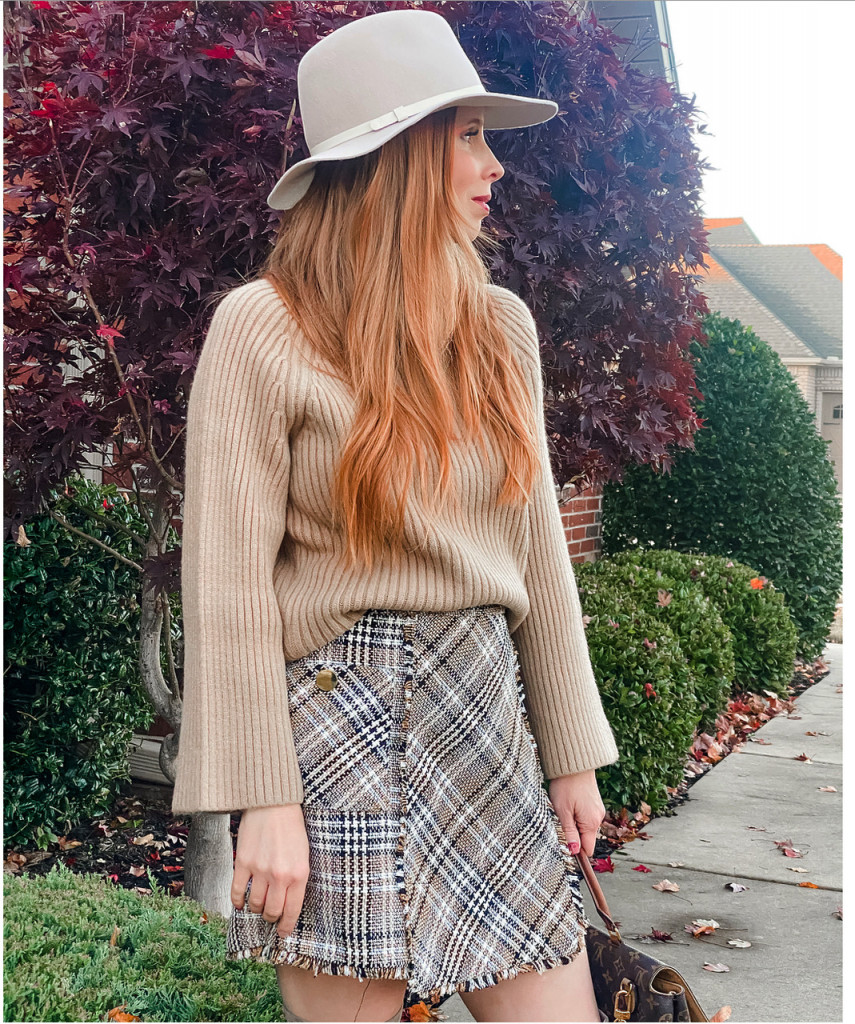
point(562, 993)
point(337, 997)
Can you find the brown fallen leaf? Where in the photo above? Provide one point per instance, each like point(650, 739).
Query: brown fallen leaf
point(420, 1012)
point(119, 1013)
point(808, 885)
point(722, 1014)
point(803, 757)
point(838, 913)
point(827, 789)
point(718, 968)
point(114, 937)
point(803, 870)
point(666, 886)
point(702, 927)
point(759, 739)
point(818, 732)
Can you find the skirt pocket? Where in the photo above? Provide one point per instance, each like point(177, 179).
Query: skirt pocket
point(345, 721)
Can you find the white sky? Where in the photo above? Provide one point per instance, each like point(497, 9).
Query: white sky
point(774, 84)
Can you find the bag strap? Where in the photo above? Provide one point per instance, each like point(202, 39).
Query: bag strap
point(599, 898)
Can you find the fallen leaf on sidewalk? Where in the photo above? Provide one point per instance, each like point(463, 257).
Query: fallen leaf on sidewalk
point(715, 967)
point(666, 886)
point(722, 1014)
point(739, 943)
point(808, 885)
point(818, 732)
point(803, 870)
point(794, 718)
point(786, 847)
point(738, 887)
point(641, 867)
point(675, 864)
point(803, 757)
point(602, 864)
point(759, 739)
point(838, 913)
point(702, 927)
point(757, 828)
point(827, 789)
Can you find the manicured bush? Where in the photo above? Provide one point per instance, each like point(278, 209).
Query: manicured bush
point(704, 639)
point(648, 693)
point(764, 637)
point(758, 487)
point(72, 697)
point(77, 946)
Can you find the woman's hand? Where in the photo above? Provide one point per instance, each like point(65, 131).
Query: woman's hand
point(273, 849)
point(576, 799)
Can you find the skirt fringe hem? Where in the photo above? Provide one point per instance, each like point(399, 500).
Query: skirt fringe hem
point(432, 995)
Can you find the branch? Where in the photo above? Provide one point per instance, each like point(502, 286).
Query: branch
point(73, 529)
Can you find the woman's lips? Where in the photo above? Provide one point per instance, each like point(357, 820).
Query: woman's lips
point(482, 204)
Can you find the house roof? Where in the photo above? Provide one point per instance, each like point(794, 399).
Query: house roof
point(729, 230)
point(726, 295)
point(790, 294)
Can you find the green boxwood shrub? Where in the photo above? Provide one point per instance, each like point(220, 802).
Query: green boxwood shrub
point(704, 639)
point(72, 696)
point(764, 637)
point(757, 488)
point(648, 692)
point(76, 946)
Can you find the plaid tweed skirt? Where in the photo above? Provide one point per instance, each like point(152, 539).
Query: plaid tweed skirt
point(435, 854)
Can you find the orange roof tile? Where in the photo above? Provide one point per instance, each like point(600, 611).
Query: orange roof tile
point(829, 259)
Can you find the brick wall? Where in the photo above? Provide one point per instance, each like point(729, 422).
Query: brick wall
point(582, 516)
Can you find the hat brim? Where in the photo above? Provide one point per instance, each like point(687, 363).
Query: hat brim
point(501, 110)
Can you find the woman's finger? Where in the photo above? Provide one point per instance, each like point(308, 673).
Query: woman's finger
point(293, 904)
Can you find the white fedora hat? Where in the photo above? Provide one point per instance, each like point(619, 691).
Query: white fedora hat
point(375, 77)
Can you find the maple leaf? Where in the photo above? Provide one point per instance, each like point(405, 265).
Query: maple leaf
point(666, 886)
point(641, 867)
point(808, 885)
point(802, 757)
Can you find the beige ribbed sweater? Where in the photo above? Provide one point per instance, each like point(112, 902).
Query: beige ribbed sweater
point(259, 586)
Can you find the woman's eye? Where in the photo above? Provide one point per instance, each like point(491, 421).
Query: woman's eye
point(470, 134)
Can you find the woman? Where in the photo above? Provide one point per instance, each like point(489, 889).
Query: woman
point(365, 643)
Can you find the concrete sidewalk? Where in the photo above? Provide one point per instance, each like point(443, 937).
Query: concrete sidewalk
point(725, 832)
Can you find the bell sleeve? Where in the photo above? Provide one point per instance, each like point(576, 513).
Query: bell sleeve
point(563, 701)
point(236, 748)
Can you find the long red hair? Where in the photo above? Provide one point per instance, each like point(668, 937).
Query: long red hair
point(377, 268)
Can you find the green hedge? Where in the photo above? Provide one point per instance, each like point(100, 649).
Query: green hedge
point(671, 637)
point(72, 695)
point(757, 488)
point(764, 637)
point(167, 962)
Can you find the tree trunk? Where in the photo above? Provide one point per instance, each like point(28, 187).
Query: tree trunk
point(209, 863)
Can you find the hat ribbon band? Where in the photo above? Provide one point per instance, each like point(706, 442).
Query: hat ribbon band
point(398, 114)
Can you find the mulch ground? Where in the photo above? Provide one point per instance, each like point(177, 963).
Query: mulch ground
point(140, 834)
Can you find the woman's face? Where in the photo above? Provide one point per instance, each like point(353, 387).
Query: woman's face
point(474, 168)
